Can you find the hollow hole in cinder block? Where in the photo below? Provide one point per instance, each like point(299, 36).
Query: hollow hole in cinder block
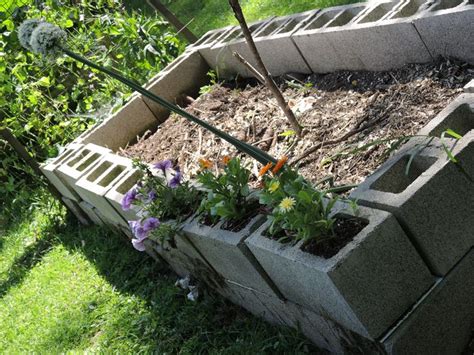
point(289, 26)
point(270, 28)
point(119, 169)
point(78, 157)
point(322, 19)
point(129, 182)
point(88, 162)
point(446, 4)
point(65, 155)
point(345, 17)
point(94, 175)
point(377, 13)
point(409, 9)
point(461, 121)
point(395, 179)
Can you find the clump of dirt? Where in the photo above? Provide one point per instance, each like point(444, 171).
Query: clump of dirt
point(339, 111)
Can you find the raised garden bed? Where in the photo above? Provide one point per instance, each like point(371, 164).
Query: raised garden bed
point(380, 105)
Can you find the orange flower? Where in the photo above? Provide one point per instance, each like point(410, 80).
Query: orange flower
point(264, 170)
point(226, 159)
point(205, 164)
point(279, 164)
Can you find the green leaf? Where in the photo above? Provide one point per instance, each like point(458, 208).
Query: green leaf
point(44, 81)
point(287, 133)
point(453, 134)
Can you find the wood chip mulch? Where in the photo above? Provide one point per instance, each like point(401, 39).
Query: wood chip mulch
point(331, 107)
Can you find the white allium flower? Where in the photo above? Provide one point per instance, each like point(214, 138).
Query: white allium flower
point(46, 39)
point(25, 30)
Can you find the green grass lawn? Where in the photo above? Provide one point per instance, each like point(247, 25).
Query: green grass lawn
point(68, 288)
point(206, 15)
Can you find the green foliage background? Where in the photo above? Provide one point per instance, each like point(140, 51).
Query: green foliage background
point(47, 104)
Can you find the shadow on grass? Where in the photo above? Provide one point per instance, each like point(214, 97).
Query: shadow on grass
point(32, 255)
point(172, 323)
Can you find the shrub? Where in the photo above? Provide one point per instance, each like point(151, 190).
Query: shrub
point(47, 104)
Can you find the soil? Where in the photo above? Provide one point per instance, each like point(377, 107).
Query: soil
point(345, 229)
point(378, 105)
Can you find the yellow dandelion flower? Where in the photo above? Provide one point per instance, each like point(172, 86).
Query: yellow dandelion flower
point(287, 204)
point(274, 185)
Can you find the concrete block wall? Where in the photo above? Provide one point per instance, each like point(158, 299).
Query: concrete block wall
point(93, 186)
point(363, 36)
point(434, 203)
point(365, 287)
point(220, 55)
point(344, 323)
point(76, 165)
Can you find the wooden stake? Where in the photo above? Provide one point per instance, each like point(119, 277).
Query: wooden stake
point(269, 82)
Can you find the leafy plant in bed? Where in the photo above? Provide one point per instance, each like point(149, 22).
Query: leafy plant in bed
point(228, 195)
point(298, 211)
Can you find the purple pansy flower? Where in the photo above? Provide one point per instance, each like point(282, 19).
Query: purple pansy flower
point(129, 198)
point(150, 223)
point(138, 244)
point(141, 231)
point(152, 196)
point(176, 180)
point(138, 231)
point(163, 165)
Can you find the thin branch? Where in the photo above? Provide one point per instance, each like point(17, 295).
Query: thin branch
point(250, 67)
point(269, 82)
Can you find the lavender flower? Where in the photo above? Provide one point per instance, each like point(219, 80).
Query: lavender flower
point(141, 231)
point(163, 165)
point(129, 198)
point(152, 196)
point(138, 244)
point(151, 223)
point(138, 231)
point(176, 180)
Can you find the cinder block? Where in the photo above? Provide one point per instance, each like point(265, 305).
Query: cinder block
point(441, 322)
point(185, 76)
point(354, 38)
point(209, 39)
point(458, 116)
point(91, 213)
point(220, 56)
point(74, 207)
point(123, 128)
point(117, 192)
point(276, 47)
point(469, 88)
point(365, 287)
point(49, 170)
point(185, 259)
point(77, 164)
point(434, 203)
point(229, 256)
point(93, 186)
point(448, 32)
point(323, 332)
